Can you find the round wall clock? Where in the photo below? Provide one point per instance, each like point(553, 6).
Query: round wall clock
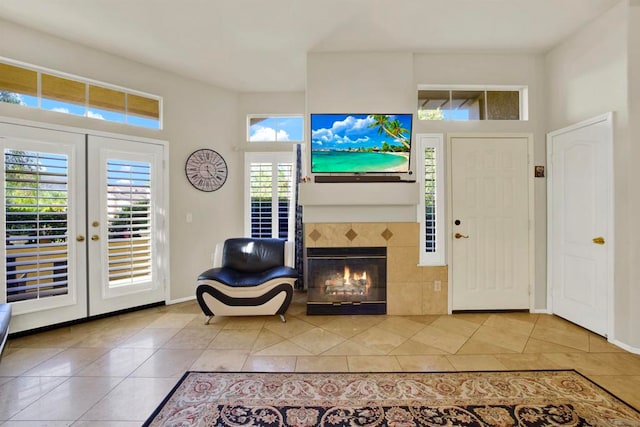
point(206, 170)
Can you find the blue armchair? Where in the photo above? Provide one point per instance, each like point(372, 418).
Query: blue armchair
point(251, 277)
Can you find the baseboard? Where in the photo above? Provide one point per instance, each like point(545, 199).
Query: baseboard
point(626, 347)
point(179, 300)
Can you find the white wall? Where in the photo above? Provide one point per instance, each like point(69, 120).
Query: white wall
point(196, 115)
point(589, 74)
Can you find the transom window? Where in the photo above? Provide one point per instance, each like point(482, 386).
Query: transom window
point(50, 90)
point(472, 103)
point(275, 128)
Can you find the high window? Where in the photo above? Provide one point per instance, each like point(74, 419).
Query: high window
point(430, 171)
point(49, 90)
point(275, 128)
point(472, 103)
point(269, 193)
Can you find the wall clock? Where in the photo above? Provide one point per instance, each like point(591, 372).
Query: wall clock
point(206, 170)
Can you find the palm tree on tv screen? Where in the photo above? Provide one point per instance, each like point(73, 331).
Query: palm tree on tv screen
point(392, 128)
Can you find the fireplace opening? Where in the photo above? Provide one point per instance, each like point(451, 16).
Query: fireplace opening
point(347, 280)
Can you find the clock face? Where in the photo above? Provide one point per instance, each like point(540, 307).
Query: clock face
point(206, 170)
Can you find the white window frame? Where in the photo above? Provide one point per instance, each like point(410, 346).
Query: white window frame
point(274, 116)
point(435, 142)
point(266, 157)
point(524, 95)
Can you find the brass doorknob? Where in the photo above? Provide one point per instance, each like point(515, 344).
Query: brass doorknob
point(80, 238)
point(598, 240)
point(95, 237)
point(459, 236)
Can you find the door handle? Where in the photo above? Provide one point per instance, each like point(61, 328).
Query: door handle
point(598, 240)
point(95, 237)
point(80, 238)
point(459, 236)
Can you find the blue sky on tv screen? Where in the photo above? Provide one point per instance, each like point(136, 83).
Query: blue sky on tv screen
point(352, 131)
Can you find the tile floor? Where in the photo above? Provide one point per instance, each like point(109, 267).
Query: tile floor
point(115, 371)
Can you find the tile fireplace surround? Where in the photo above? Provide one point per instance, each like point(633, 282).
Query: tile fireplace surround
point(409, 286)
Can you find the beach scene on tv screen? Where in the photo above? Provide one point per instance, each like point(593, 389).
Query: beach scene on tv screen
point(360, 143)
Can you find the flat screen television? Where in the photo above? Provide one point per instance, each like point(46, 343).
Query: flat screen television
point(360, 143)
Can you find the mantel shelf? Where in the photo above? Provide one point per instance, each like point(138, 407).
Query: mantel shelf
point(401, 193)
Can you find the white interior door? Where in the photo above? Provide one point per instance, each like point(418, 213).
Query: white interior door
point(43, 189)
point(490, 213)
point(580, 222)
point(126, 226)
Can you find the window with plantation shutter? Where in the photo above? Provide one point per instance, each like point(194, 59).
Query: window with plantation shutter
point(36, 206)
point(430, 171)
point(129, 210)
point(269, 189)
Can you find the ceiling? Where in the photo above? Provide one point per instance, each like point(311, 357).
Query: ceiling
point(261, 45)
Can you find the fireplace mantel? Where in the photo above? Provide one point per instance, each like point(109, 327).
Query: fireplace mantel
point(362, 201)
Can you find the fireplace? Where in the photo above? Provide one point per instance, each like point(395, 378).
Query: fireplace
point(346, 280)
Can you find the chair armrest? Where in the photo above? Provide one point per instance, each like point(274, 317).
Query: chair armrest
point(217, 255)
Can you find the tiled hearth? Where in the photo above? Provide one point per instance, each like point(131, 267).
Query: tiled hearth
point(409, 286)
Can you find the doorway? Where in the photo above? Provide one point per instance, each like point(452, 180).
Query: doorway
point(580, 223)
point(490, 209)
point(84, 224)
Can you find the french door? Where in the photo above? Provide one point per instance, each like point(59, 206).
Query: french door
point(83, 224)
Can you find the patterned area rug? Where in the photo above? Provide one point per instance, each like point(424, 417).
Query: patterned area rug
point(522, 398)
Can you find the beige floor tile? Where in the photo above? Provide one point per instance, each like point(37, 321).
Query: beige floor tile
point(269, 364)
point(373, 364)
point(598, 344)
point(501, 337)
point(235, 339)
point(425, 363)
point(172, 320)
point(415, 348)
point(530, 361)
point(149, 338)
point(511, 324)
point(316, 320)
point(349, 326)
point(193, 338)
point(575, 338)
point(33, 423)
point(351, 348)
point(476, 363)
point(541, 346)
point(379, 339)
point(107, 338)
point(629, 364)
point(57, 338)
point(17, 362)
point(248, 322)
point(438, 338)
point(117, 362)
point(476, 346)
point(134, 399)
point(401, 326)
point(70, 399)
point(455, 325)
point(317, 340)
point(585, 363)
point(101, 424)
point(284, 348)
point(265, 339)
point(289, 329)
point(166, 363)
point(21, 392)
point(220, 360)
point(322, 364)
point(66, 363)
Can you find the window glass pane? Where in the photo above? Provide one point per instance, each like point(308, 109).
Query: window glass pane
point(503, 105)
point(275, 128)
point(433, 104)
point(63, 95)
point(36, 202)
point(467, 105)
point(106, 104)
point(129, 211)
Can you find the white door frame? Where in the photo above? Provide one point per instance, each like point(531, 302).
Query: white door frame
point(607, 117)
point(530, 179)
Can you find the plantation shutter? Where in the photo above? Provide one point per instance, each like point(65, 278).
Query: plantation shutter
point(270, 193)
point(36, 206)
point(430, 199)
point(129, 208)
